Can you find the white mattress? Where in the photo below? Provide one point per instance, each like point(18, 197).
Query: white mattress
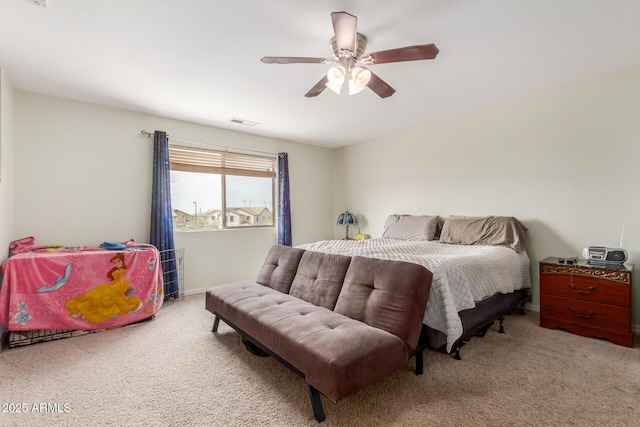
point(462, 274)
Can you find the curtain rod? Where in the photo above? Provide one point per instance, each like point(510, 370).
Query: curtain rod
point(150, 134)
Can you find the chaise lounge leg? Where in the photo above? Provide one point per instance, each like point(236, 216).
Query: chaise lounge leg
point(216, 322)
point(419, 363)
point(316, 403)
point(501, 330)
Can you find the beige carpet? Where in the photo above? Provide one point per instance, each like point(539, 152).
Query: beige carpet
point(174, 371)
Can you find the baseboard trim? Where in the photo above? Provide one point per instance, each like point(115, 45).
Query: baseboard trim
point(195, 291)
point(532, 307)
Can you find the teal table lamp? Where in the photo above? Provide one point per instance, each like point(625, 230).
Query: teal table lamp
point(347, 219)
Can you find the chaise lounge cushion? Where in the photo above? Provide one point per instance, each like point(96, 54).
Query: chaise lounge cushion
point(319, 278)
point(280, 268)
point(328, 348)
point(373, 294)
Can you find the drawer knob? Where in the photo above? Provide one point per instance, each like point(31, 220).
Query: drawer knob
point(583, 316)
point(581, 291)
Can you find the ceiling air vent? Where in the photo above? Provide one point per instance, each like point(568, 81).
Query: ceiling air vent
point(243, 122)
point(40, 3)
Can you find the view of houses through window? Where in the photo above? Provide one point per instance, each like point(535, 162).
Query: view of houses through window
point(206, 199)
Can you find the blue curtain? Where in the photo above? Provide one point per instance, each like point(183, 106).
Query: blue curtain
point(161, 215)
point(284, 205)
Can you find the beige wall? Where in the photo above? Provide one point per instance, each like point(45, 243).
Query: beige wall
point(565, 162)
point(83, 176)
point(6, 165)
point(6, 171)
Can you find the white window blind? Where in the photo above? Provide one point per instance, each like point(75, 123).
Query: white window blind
point(189, 159)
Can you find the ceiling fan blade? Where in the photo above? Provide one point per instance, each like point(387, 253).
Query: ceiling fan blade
point(294, 60)
point(408, 53)
point(380, 87)
point(318, 88)
point(345, 27)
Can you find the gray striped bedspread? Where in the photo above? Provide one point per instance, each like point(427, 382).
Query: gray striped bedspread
point(462, 274)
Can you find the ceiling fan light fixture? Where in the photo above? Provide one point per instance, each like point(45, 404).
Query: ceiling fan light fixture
point(335, 87)
point(336, 74)
point(353, 89)
point(335, 77)
point(360, 76)
point(359, 79)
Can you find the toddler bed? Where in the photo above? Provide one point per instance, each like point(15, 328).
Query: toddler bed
point(79, 288)
point(480, 270)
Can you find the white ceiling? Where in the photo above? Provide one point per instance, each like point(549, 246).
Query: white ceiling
point(199, 60)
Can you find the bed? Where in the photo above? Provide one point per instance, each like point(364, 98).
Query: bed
point(79, 288)
point(480, 267)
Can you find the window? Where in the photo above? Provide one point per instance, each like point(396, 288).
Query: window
point(218, 189)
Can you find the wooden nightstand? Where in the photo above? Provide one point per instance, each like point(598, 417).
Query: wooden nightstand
point(587, 300)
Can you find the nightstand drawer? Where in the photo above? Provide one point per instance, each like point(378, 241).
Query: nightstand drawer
point(586, 289)
point(586, 313)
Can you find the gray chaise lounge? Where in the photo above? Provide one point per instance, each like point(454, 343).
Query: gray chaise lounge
point(340, 322)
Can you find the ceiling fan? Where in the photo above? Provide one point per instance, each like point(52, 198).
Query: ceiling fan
point(347, 47)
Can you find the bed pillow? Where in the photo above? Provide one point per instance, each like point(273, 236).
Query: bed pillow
point(410, 227)
point(391, 219)
point(492, 230)
point(439, 228)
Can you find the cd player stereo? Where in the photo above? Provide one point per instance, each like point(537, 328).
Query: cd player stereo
point(602, 255)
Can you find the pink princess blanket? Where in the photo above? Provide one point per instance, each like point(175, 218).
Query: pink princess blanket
point(81, 288)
